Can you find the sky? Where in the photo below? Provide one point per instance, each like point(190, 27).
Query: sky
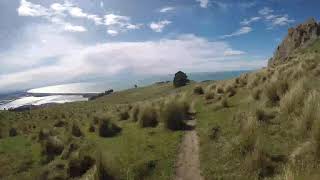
point(47, 42)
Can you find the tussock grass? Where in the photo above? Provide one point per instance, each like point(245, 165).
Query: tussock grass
point(209, 95)
point(220, 90)
point(174, 114)
point(135, 112)
point(310, 113)
point(275, 90)
point(148, 117)
point(230, 90)
point(256, 93)
point(248, 133)
point(224, 102)
point(198, 90)
point(293, 100)
point(106, 127)
point(124, 115)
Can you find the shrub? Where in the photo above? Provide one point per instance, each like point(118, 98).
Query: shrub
point(107, 128)
point(148, 116)
point(135, 113)
point(198, 90)
point(256, 93)
point(174, 114)
point(293, 99)
point(209, 95)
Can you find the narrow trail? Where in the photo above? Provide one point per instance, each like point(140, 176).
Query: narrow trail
point(188, 163)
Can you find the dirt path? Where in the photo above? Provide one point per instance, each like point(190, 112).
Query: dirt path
point(188, 163)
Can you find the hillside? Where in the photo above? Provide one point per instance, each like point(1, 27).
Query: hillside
point(260, 125)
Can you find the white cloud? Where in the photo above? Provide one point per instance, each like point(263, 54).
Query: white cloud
point(281, 20)
point(73, 28)
point(29, 9)
point(62, 59)
point(203, 3)
point(77, 12)
point(241, 31)
point(166, 9)
point(231, 52)
point(112, 32)
point(246, 22)
point(113, 19)
point(159, 26)
point(265, 11)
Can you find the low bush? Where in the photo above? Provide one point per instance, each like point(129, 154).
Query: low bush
point(148, 117)
point(198, 90)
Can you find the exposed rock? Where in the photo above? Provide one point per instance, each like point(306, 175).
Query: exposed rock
point(298, 37)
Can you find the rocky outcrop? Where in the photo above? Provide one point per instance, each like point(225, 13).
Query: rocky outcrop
point(298, 37)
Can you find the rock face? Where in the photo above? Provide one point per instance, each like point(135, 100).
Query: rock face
point(180, 79)
point(298, 37)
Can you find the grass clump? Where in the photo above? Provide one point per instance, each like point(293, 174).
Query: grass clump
point(198, 90)
point(135, 113)
point(230, 90)
point(293, 100)
point(124, 115)
point(209, 95)
point(248, 134)
point(148, 117)
point(275, 90)
point(174, 114)
point(256, 94)
point(310, 112)
point(106, 128)
point(224, 102)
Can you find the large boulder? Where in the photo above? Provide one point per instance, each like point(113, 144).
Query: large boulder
point(180, 79)
point(298, 37)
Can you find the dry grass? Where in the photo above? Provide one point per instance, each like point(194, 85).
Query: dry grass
point(248, 133)
point(275, 90)
point(224, 102)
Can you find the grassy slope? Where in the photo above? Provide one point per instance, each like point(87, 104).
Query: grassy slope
point(127, 154)
point(220, 157)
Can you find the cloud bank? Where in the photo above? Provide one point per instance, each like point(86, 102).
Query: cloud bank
point(58, 58)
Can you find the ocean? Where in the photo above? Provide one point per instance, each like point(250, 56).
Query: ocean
point(72, 92)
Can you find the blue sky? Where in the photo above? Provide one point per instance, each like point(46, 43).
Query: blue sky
point(44, 42)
